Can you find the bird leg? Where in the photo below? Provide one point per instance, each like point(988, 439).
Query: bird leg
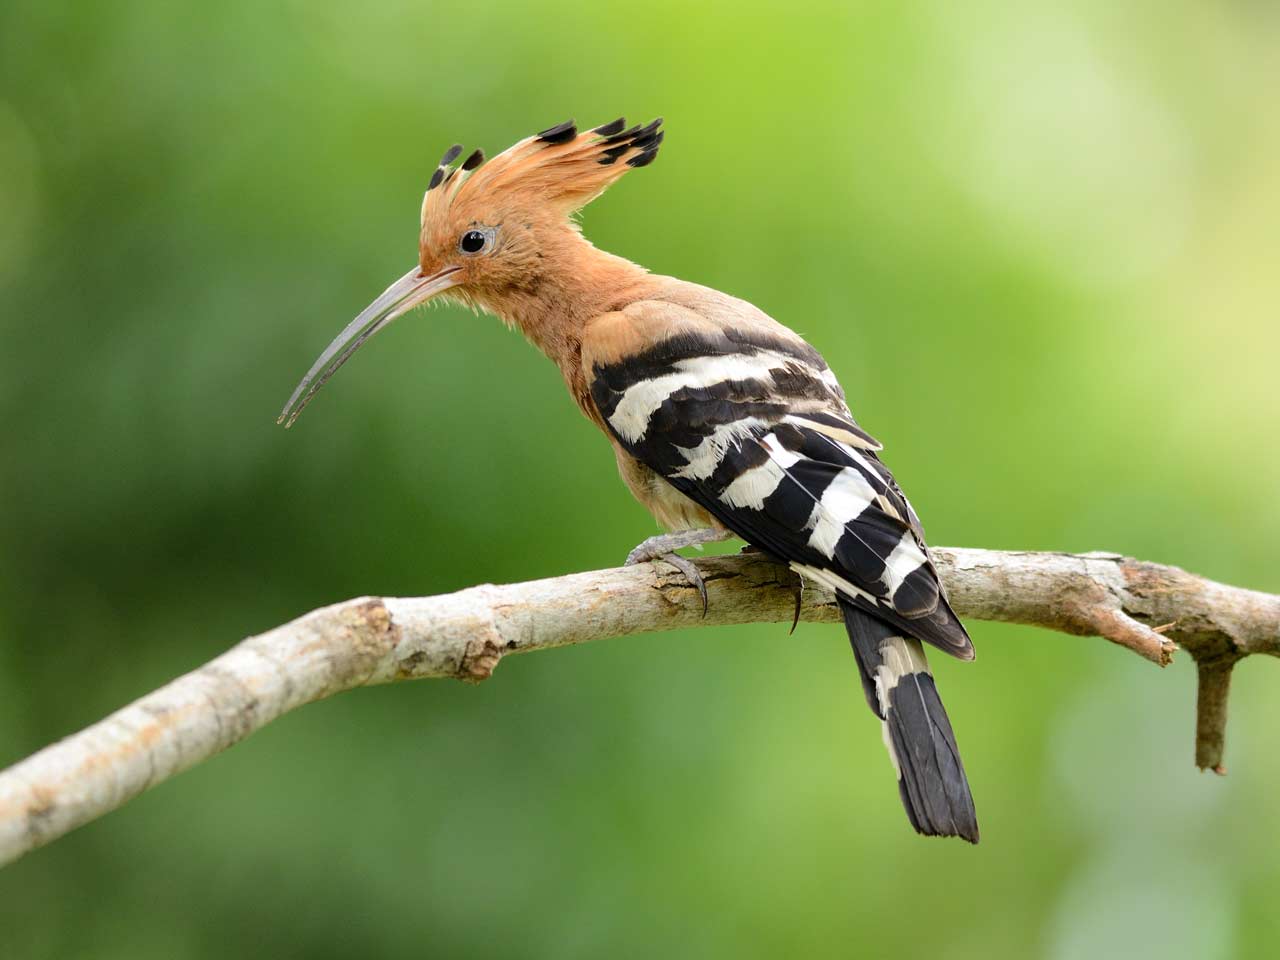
point(657, 548)
point(664, 547)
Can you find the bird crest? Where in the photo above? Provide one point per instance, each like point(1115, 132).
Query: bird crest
point(559, 170)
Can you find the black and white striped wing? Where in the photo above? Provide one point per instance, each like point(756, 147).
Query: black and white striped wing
point(755, 430)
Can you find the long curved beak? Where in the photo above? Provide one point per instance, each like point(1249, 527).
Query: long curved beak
point(402, 296)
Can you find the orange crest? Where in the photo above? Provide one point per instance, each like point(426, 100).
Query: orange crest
point(557, 171)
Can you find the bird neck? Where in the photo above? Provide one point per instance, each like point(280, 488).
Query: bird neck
point(573, 283)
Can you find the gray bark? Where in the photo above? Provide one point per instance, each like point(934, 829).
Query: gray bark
point(1144, 607)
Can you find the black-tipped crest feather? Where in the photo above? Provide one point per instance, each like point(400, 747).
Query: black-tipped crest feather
point(560, 133)
point(623, 135)
point(609, 129)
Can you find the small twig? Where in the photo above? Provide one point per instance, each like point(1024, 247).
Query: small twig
point(1112, 623)
point(1213, 687)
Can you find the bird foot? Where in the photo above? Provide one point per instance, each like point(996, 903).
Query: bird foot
point(664, 547)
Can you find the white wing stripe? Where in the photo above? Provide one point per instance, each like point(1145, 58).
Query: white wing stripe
point(752, 487)
point(904, 560)
point(847, 496)
point(832, 581)
point(706, 456)
point(631, 416)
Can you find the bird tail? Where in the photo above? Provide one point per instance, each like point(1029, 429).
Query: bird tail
point(901, 691)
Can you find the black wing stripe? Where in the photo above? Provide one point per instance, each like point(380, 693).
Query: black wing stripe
point(835, 427)
point(691, 368)
point(661, 358)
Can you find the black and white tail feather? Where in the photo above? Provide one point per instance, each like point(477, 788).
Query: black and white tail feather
point(917, 732)
point(750, 423)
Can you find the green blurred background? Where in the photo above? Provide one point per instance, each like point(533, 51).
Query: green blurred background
point(1039, 245)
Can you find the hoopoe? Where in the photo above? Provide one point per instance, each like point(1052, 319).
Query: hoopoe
point(723, 421)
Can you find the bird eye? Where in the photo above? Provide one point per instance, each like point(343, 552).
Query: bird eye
point(473, 241)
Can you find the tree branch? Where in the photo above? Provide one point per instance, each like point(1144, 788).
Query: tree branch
point(1143, 606)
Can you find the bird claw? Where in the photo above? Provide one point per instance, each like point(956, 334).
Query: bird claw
point(685, 566)
point(799, 594)
point(663, 547)
point(691, 574)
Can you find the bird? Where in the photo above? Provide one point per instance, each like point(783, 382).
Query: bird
point(724, 423)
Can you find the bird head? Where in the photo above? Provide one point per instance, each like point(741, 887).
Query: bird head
point(488, 228)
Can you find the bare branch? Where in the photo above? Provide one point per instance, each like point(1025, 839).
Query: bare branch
point(464, 635)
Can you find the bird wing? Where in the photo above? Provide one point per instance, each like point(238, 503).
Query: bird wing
point(748, 421)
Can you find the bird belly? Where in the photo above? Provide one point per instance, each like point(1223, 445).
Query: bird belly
point(671, 508)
